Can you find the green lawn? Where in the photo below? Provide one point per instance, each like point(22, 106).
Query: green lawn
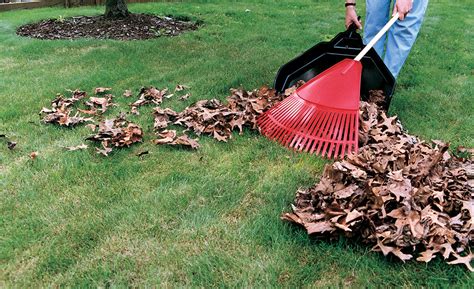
point(210, 217)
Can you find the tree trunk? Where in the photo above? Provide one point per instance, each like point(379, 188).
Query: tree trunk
point(116, 9)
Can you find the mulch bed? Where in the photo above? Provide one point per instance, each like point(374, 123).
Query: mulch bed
point(135, 27)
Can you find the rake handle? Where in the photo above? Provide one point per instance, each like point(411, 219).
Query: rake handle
point(377, 37)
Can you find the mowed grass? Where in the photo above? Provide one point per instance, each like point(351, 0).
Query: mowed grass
point(208, 217)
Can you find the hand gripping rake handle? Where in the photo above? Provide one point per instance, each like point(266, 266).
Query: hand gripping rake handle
point(377, 37)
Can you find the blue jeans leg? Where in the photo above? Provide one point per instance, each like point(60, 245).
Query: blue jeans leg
point(402, 36)
point(376, 17)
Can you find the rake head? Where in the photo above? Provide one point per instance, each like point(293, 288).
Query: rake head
point(320, 117)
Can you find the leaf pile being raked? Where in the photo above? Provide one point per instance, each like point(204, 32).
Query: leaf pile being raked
point(404, 196)
point(210, 117)
point(215, 118)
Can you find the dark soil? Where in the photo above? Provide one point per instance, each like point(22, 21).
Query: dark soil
point(135, 27)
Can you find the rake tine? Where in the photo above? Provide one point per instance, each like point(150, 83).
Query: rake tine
point(334, 131)
point(275, 112)
point(279, 128)
point(328, 137)
point(304, 122)
point(310, 138)
point(317, 130)
point(286, 116)
point(346, 133)
point(356, 135)
point(353, 131)
point(306, 131)
point(286, 140)
point(314, 127)
point(341, 132)
point(324, 131)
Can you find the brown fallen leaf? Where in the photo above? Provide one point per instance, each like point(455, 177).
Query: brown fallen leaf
point(33, 155)
point(466, 260)
point(91, 126)
point(181, 87)
point(427, 256)
point(186, 141)
point(98, 103)
point(170, 137)
point(88, 111)
point(319, 227)
point(148, 95)
point(166, 137)
point(219, 120)
point(104, 151)
point(127, 93)
point(142, 153)
point(78, 147)
point(184, 97)
point(402, 256)
point(100, 90)
point(163, 117)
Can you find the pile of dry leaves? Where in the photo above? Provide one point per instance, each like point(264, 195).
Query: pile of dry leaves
point(115, 132)
point(61, 109)
point(210, 117)
point(215, 118)
point(401, 194)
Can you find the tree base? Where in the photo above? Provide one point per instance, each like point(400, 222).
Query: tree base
point(116, 9)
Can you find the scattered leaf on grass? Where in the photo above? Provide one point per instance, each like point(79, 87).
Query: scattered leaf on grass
point(469, 152)
point(100, 90)
point(166, 137)
point(184, 97)
point(466, 260)
point(215, 118)
point(78, 147)
point(127, 93)
point(33, 155)
point(142, 153)
point(91, 126)
point(11, 145)
point(163, 117)
point(181, 87)
point(170, 137)
point(186, 141)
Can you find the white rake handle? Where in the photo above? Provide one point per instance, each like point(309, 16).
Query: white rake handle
point(377, 37)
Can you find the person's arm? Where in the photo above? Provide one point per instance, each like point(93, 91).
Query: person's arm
point(351, 14)
point(402, 7)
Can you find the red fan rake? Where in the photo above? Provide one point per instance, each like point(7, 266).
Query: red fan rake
point(322, 116)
